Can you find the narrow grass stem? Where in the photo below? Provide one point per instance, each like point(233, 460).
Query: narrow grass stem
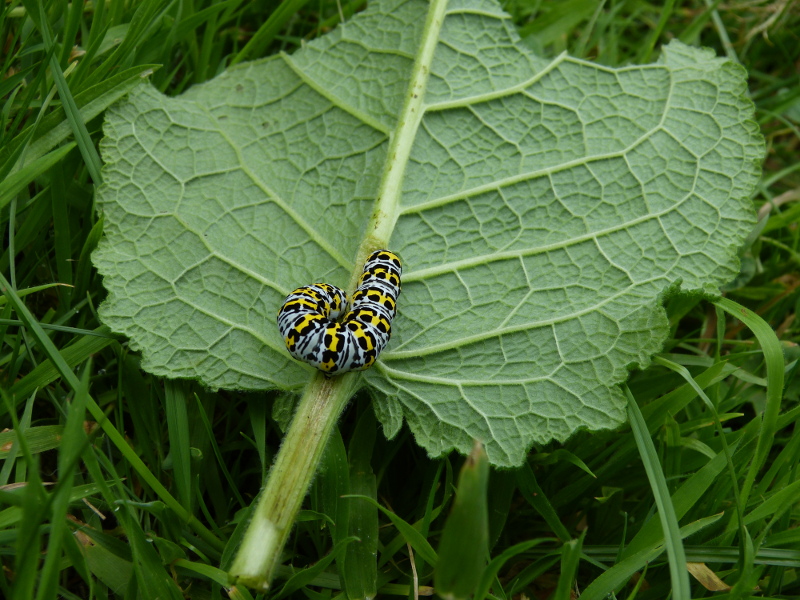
point(773, 357)
point(290, 478)
point(673, 542)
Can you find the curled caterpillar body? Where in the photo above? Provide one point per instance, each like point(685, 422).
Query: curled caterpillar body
point(308, 318)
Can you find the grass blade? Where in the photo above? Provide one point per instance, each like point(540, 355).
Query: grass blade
point(360, 572)
point(15, 183)
point(773, 356)
point(73, 443)
point(570, 559)
point(268, 30)
point(464, 544)
point(82, 138)
point(666, 511)
point(179, 443)
point(620, 573)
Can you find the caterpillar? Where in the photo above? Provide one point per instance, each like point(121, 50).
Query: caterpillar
point(308, 319)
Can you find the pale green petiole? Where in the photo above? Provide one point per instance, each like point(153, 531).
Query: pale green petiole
point(324, 399)
point(289, 478)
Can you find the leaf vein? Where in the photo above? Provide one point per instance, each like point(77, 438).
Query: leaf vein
point(334, 99)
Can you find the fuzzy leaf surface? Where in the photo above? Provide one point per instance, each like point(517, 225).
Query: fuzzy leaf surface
point(546, 207)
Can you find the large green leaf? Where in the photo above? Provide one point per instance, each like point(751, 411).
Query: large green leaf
point(544, 209)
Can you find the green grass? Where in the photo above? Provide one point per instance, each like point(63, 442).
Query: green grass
point(117, 484)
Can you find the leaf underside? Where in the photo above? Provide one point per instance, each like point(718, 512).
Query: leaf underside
point(546, 208)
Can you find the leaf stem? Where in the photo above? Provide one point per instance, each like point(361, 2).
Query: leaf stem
point(324, 399)
point(289, 479)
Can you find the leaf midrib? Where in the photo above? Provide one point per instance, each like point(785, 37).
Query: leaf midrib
point(387, 210)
